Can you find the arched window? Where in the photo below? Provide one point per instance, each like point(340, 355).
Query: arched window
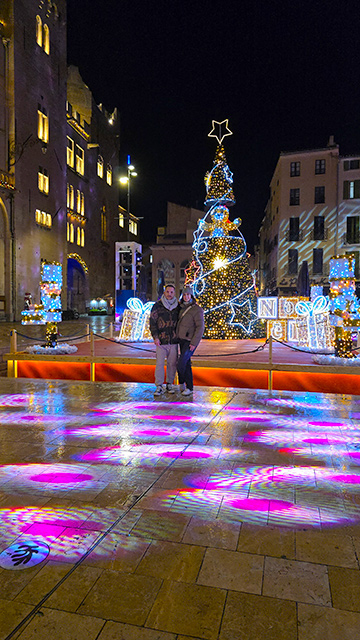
point(67, 231)
point(39, 31)
point(100, 167)
point(109, 174)
point(78, 236)
point(46, 44)
point(82, 204)
point(71, 232)
point(82, 237)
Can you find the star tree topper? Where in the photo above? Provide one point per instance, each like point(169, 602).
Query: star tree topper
point(218, 134)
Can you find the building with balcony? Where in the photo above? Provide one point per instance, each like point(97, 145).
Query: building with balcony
point(312, 214)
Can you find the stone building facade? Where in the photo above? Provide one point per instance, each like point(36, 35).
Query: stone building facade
point(54, 205)
point(312, 214)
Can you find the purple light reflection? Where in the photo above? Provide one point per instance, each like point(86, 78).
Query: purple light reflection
point(61, 478)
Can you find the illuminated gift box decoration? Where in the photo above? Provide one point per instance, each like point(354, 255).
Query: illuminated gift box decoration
point(136, 321)
point(313, 324)
point(50, 291)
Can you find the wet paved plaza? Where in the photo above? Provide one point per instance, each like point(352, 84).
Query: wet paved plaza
point(232, 516)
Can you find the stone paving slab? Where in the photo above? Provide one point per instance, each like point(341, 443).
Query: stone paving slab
point(233, 515)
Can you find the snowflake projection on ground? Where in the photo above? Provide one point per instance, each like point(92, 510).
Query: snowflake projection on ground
point(223, 282)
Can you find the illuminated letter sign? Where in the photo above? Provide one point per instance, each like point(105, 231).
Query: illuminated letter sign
point(267, 308)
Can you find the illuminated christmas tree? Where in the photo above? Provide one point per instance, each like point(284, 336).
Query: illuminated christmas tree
point(224, 286)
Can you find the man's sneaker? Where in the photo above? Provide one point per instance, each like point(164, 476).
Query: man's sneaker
point(186, 392)
point(159, 390)
point(182, 387)
point(170, 388)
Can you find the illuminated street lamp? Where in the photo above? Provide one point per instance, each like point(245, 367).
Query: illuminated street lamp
point(131, 173)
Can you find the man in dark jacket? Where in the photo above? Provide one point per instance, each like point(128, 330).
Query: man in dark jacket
point(163, 319)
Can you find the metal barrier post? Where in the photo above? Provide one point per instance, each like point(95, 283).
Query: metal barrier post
point(111, 329)
point(92, 354)
point(13, 341)
point(270, 376)
point(87, 331)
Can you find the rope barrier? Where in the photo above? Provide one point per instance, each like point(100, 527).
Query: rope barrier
point(315, 353)
point(207, 355)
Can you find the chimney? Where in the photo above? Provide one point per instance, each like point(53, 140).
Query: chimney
point(331, 142)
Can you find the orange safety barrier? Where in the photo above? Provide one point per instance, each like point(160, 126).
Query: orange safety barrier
point(203, 376)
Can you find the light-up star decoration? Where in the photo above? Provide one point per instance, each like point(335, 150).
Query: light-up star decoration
point(220, 130)
point(240, 318)
point(192, 272)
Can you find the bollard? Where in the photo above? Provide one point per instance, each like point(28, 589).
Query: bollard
point(92, 344)
point(270, 383)
point(111, 329)
point(87, 331)
point(13, 341)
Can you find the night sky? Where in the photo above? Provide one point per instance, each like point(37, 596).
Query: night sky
point(285, 74)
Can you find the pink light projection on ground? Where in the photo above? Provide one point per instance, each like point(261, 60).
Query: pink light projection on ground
point(317, 423)
point(258, 504)
point(165, 450)
point(232, 507)
point(61, 478)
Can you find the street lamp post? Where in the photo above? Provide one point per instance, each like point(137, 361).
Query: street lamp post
point(131, 173)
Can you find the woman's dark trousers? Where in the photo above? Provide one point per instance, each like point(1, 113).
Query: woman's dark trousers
point(184, 364)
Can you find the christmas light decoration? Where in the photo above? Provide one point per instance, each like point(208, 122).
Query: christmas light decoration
point(313, 325)
point(223, 283)
point(79, 259)
point(49, 311)
point(135, 325)
point(191, 273)
point(344, 305)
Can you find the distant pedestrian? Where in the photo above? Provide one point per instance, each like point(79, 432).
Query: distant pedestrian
point(189, 332)
point(163, 320)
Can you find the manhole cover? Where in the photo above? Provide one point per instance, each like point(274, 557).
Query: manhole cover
point(23, 555)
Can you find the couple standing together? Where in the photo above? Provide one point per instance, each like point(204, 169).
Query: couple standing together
point(174, 323)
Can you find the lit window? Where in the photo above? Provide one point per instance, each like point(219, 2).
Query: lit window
point(82, 204)
point(133, 227)
point(46, 43)
point(43, 125)
point(80, 163)
point(78, 236)
point(48, 220)
point(67, 231)
point(121, 220)
point(71, 239)
point(38, 31)
point(100, 167)
point(109, 174)
point(82, 237)
point(43, 180)
point(78, 200)
point(70, 152)
point(103, 225)
point(70, 197)
point(38, 216)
